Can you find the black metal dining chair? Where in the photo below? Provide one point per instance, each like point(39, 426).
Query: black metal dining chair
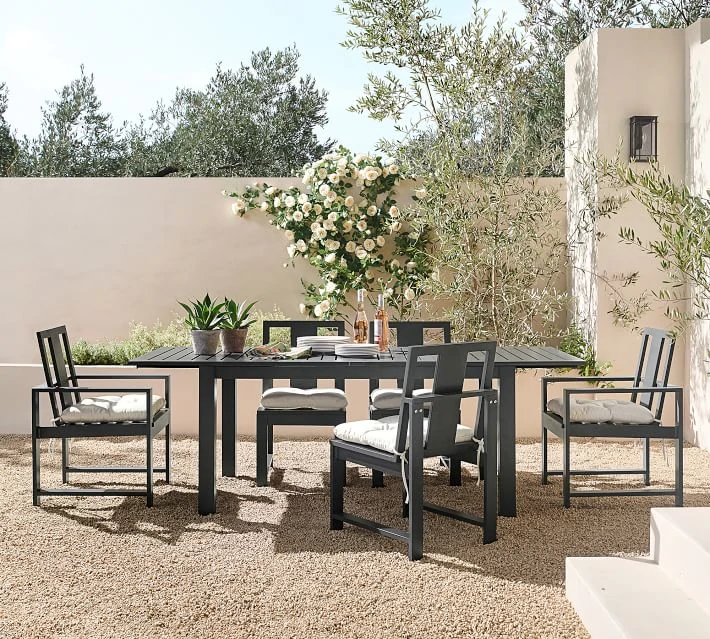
point(301, 403)
point(639, 417)
point(115, 412)
point(399, 445)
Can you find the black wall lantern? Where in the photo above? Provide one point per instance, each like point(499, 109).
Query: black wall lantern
point(643, 138)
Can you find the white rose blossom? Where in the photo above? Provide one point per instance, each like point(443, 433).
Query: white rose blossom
point(290, 201)
point(347, 226)
point(239, 207)
point(318, 209)
point(317, 310)
point(332, 216)
point(371, 210)
point(328, 225)
point(330, 259)
point(332, 196)
point(270, 191)
point(342, 163)
point(394, 211)
point(325, 305)
point(321, 233)
point(369, 244)
point(394, 169)
point(350, 247)
point(302, 308)
point(306, 207)
point(411, 266)
point(332, 245)
point(322, 173)
point(289, 235)
point(264, 206)
point(361, 253)
point(334, 178)
point(362, 225)
point(314, 227)
point(421, 193)
point(349, 201)
point(380, 241)
point(277, 202)
point(409, 294)
point(330, 287)
point(291, 250)
point(303, 198)
point(323, 189)
point(298, 216)
point(301, 246)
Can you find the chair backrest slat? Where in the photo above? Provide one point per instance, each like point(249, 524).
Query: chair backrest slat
point(58, 365)
point(450, 365)
point(412, 334)
point(654, 367)
point(302, 328)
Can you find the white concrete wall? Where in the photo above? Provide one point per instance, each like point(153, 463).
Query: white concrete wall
point(612, 75)
point(697, 115)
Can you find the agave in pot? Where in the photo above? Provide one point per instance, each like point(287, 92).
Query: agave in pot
point(203, 318)
point(235, 325)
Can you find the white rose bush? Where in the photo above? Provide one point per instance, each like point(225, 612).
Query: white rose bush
point(345, 221)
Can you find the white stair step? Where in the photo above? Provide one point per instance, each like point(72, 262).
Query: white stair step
point(618, 598)
point(680, 545)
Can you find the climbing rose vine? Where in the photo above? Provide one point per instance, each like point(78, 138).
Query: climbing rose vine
point(345, 221)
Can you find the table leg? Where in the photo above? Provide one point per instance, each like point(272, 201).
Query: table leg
point(506, 474)
point(229, 428)
point(207, 480)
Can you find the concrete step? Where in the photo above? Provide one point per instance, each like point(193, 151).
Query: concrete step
point(680, 545)
point(619, 598)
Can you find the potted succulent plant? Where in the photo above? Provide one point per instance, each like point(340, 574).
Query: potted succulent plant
point(203, 318)
point(235, 325)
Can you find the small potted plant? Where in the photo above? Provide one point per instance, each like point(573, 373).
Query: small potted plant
point(203, 318)
point(235, 325)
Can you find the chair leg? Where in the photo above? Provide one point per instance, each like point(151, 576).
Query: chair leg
point(544, 456)
point(65, 460)
point(270, 441)
point(35, 469)
point(262, 450)
point(416, 508)
point(565, 470)
point(167, 453)
point(149, 470)
point(679, 468)
point(454, 472)
point(337, 489)
point(378, 478)
point(647, 462)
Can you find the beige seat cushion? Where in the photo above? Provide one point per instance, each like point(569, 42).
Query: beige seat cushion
point(602, 410)
point(391, 398)
point(382, 433)
point(294, 398)
point(111, 408)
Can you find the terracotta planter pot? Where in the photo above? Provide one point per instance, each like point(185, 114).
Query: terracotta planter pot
point(233, 339)
point(205, 342)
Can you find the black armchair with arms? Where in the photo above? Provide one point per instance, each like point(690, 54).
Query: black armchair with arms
point(638, 417)
point(125, 412)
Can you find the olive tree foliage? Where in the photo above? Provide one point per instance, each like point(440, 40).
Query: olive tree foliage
point(458, 98)
point(258, 120)
point(77, 138)
point(555, 27)
point(681, 246)
point(8, 144)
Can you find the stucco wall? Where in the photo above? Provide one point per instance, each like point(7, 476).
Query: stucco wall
point(96, 254)
point(661, 72)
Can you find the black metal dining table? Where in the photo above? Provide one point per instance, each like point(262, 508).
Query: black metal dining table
point(390, 365)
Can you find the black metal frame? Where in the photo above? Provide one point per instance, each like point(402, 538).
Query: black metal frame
point(646, 384)
point(63, 389)
point(443, 414)
point(267, 418)
point(636, 124)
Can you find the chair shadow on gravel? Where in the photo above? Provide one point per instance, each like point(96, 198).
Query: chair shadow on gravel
point(174, 513)
point(531, 547)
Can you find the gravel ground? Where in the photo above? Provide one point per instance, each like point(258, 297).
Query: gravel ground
point(266, 564)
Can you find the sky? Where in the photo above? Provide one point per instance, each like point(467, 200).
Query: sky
point(140, 51)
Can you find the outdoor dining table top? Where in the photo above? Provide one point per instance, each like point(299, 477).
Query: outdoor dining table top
point(506, 356)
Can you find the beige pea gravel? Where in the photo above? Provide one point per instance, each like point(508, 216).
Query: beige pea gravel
point(266, 564)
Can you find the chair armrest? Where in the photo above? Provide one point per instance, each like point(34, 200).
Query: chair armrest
point(165, 378)
point(551, 379)
point(566, 392)
point(88, 389)
point(420, 400)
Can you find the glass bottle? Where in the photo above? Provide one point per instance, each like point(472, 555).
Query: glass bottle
point(381, 328)
point(360, 323)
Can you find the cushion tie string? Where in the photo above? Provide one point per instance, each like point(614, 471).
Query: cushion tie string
point(403, 462)
point(479, 452)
